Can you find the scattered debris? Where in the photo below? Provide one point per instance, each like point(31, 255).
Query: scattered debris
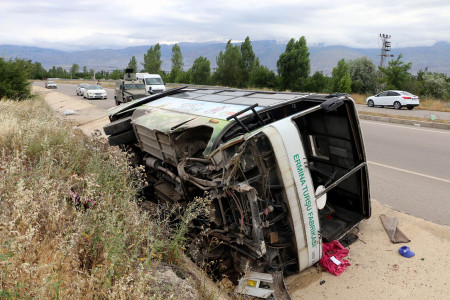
point(394, 233)
point(349, 239)
point(333, 258)
point(68, 112)
point(96, 133)
point(322, 282)
point(255, 284)
point(406, 252)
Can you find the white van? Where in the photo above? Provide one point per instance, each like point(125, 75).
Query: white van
point(153, 82)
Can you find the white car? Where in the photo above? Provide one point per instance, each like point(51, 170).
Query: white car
point(397, 99)
point(50, 85)
point(94, 92)
point(80, 89)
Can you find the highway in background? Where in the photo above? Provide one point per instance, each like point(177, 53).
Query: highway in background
point(70, 90)
point(409, 167)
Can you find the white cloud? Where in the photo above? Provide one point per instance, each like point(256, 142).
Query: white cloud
point(76, 25)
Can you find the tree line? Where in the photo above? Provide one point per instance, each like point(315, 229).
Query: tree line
point(238, 66)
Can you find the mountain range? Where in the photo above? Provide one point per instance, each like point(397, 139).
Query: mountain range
point(323, 58)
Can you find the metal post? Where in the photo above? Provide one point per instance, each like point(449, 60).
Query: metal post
point(385, 48)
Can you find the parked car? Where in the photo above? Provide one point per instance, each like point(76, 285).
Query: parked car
point(94, 92)
point(284, 172)
point(80, 89)
point(50, 85)
point(396, 99)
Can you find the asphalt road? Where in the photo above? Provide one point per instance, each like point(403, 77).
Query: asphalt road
point(409, 167)
point(70, 90)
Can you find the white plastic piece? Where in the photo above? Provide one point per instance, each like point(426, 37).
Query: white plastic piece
point(335, 260)
point(69, 112)
point(255, 291)
point(323, 199)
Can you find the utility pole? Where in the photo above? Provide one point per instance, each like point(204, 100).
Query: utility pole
point(385, 48)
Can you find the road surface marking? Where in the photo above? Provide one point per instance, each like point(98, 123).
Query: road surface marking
point(410, 172)
point(437, 130)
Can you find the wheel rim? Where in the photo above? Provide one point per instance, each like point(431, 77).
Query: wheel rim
point(370, 103)
point(396, 105)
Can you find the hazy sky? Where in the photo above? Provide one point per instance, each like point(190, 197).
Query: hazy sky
point(102, 24)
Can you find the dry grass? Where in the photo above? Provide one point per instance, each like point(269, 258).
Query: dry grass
point(434, 104)
point(359, 99)
point(51, 250)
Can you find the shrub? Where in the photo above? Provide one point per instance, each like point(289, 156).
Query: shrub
point(262, 77)
point(363, 75)
point(14, 79)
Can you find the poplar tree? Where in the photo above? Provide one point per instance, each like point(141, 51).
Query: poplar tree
point(133, 64)
point(177, 63)
point(249, 60)
point(340, 79)
point(294, 65)
point(152, 60)
point(229, 64)
point(75, 69)
point(200, 71)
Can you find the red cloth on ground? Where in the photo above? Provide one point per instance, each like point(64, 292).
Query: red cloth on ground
point(335, 249)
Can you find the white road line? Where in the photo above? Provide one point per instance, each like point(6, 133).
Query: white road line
point(406, 126)
point(410, 172)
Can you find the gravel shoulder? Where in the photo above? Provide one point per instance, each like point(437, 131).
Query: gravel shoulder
point(415, 113)
point(377, 270)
